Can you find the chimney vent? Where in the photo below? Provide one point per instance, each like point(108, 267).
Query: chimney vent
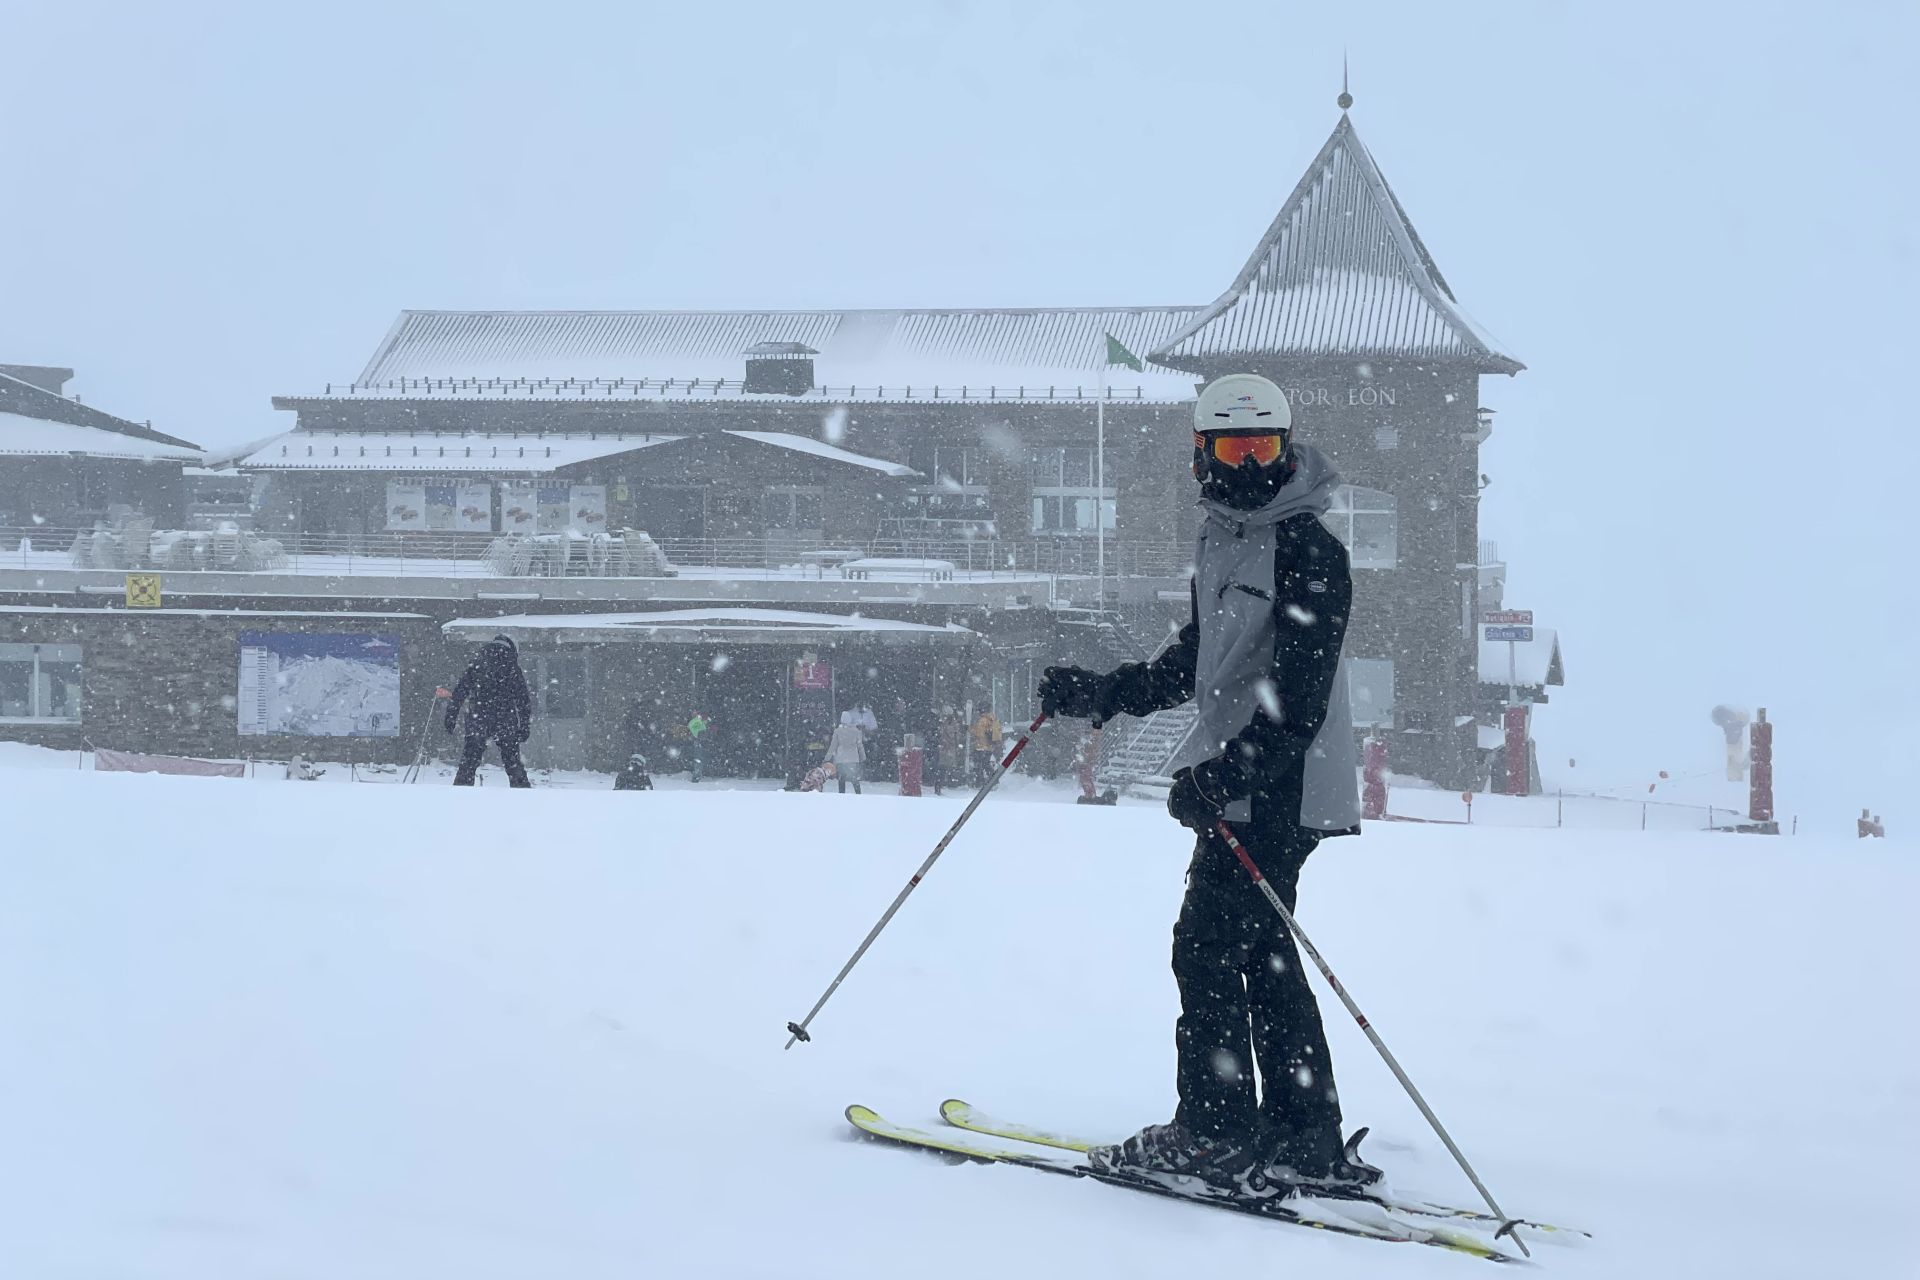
point(780, 368)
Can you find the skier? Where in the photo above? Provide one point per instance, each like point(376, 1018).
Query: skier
point(1271, 593)
point(986, 744)
point(952, 736)
point(500, 710)
point(847, 751)
point(696, 750)
point(633, 775)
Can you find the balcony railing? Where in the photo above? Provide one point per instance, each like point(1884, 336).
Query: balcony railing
point(481, 555)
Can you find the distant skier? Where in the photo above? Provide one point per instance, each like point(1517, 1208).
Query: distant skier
point(633, 775)
point(847, 751)
point(1270, 601)
point(499, 709)
point(986, 744)
point(697, 728)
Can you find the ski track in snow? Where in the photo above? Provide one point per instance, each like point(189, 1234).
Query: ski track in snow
point(409, 1032)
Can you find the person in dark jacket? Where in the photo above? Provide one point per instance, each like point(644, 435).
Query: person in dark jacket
point(499, 709)
point(1271, 593)
point(633, 775)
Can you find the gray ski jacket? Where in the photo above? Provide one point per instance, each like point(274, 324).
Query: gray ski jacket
point(1272, 591)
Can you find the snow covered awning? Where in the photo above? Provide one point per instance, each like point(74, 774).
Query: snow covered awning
point(493, 454)
point(721, 626)
point(21, 436)
point(821, 449)
point(1535, 662)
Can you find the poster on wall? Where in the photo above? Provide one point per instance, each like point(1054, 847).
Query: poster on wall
point(588, 504)
point(439, 495)
point(473, 507)
point(556, 504)
point(319, 685)
point(406, 504)
point(518, 511)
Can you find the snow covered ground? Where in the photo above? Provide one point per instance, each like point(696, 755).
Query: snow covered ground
point(410, 1032)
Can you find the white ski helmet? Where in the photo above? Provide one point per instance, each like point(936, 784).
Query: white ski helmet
point(1242, 401)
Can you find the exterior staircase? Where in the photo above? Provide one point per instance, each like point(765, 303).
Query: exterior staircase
point(1137, 756)
point(1106, 632)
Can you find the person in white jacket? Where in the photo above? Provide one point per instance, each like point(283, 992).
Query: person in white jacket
point(847, 752)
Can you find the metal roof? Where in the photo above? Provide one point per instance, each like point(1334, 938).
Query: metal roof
point(22, 436)
point(1531, 664)
point(860, 347)
point(1015, 386)
point(1341, 272)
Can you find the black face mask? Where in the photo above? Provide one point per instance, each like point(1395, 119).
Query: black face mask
point(1247, 487)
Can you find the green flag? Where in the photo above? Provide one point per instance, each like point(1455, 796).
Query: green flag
point(1117, 353)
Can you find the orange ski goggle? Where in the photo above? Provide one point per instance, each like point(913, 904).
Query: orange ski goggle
point(1234, 450)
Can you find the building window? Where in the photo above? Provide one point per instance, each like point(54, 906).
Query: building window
point(40, 683)
point(796, 509)
point(1065, 499)
point(956, 485)
point(1368, 522)
point(1370, 691)
point(950, 468)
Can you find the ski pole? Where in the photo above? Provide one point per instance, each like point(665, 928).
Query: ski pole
point(420, 757)
point(799, 1029)
point(1507, 1224)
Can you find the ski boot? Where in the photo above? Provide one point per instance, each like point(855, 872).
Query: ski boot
point(1172, 1155)
point(1318, 1168)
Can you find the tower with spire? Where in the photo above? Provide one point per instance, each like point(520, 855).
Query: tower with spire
point(1344, 306)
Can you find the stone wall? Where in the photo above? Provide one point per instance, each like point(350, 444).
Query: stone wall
point(167, 680)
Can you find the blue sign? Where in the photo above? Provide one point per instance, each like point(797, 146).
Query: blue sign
point(1520, 634)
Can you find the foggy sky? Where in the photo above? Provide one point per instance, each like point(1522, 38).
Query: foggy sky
point(1694, 223)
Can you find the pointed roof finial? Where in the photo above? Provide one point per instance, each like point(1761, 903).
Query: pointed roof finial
point(1345, 99)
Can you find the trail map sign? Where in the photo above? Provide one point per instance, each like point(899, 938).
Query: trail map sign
point(325, 686)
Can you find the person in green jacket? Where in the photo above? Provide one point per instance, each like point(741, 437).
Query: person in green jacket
point(696, 729)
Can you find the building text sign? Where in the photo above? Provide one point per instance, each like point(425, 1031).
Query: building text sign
point(1328, 397)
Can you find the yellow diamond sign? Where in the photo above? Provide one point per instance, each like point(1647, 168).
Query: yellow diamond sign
point(143, 591)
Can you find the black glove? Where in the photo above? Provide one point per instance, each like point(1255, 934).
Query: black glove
point(1201, 794)
point(453, 713)
point(1073, 692)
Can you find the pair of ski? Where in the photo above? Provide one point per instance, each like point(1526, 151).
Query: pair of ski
point(974, 1135)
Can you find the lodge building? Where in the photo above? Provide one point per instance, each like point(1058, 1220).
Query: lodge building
point(957, 495)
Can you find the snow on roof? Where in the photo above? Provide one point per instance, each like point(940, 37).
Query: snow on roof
point(21, 436)
point(858, 384)
point(720, 623)
point(431, 452)
point(954, 346)
point(821, 449)
point(1341, 271)
point(1536, 662)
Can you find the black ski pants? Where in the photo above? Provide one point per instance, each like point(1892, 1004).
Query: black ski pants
point(1245, 1003)
point(475, 750)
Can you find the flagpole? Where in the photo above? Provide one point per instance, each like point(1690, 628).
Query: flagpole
point(1100, 480)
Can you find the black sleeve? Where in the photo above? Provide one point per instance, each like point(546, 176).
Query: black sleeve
point(1142, 688)
point(1312, 600)
point(519, 696)
point(462, 690)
